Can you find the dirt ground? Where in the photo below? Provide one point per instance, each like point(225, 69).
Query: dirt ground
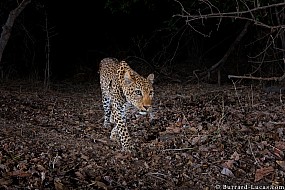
point(202, 137)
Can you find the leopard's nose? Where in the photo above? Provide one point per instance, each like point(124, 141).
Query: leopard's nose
point(146, 107)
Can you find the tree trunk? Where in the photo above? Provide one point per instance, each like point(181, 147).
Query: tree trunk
point(7, 28)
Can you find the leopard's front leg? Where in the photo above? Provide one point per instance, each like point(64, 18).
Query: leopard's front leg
point(124, 136)
point(107, 109)
point(121, 128)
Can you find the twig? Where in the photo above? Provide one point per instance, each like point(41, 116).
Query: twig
point(268, 45)
point(256, 161)
point(280, 96)
point(268, 61)
point(223, 114)
point(54, 161)
point(156, 176)
point(237, 95)
point(157, 173)
point(177, 149)
point(258, 78)
point(277, 123)
point(71, 168)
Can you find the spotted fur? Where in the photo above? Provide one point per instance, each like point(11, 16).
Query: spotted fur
point(121, 86)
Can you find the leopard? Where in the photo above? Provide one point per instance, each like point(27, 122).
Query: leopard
point(122, 88)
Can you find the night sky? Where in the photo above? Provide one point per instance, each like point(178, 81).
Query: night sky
point(88, 31)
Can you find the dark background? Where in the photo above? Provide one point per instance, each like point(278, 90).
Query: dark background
point(144, 33)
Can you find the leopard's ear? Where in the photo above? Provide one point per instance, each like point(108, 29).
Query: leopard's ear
point(150, 78)
point(128, 78)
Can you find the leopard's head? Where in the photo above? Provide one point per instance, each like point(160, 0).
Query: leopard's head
point(138, 90)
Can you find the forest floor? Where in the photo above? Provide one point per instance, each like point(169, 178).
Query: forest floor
point(202, 137)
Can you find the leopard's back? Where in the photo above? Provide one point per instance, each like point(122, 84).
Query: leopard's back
point(108, 72)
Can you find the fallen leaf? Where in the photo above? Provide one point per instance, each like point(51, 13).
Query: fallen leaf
point(40, 168)
point(173, 129)
point(280, 132)
point(146, 165)
point(58, 185)
point(195, 140)
point(229, 164)
point(193, 129)
point(200, 127)
point(4, 181)
point(204, 138)
point(100, 185)
point(19, 173)
point(281, 163)
point(122, 155)
point(280, 145)
point(3, 167)
point(235, 156)
point(43, 176)
point(278, 153)
point(108, 179)
point(260, 173)
point(79, 175)
point(84, 157)
point(227, 172)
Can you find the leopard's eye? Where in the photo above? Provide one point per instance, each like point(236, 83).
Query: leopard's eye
point(138, 92)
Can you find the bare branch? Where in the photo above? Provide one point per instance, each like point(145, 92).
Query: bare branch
point(258, 78)
point(237, 12)
point(235, 15)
